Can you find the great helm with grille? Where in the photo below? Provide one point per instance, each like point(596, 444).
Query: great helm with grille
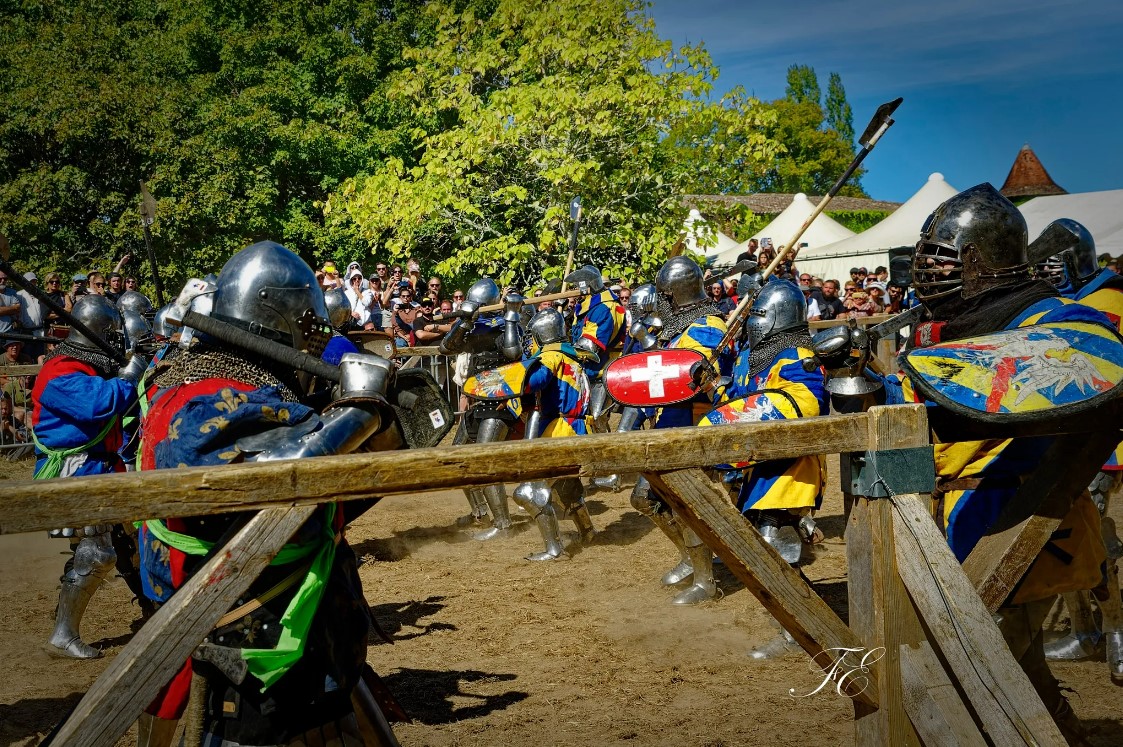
point(267, 290)
point(974, 241)
point(680, 281)
point(777, 307)
point(1071, 263)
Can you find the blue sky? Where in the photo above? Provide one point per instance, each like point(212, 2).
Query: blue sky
point(979, 79)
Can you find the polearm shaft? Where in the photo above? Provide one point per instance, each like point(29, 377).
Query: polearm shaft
point(147, 216)
point(575, 216)
point(881, 122)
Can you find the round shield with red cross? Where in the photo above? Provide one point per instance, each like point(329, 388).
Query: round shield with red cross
point(652, 378)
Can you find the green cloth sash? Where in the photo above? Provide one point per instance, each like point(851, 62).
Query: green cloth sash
point(55, 457)
point(270, 664)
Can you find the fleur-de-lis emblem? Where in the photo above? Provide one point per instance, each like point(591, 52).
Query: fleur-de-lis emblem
point(173, 429)
point(230, 401)
point(216, 423)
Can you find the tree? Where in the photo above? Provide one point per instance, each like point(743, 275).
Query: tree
point(840, 118)
point(522, 109)
point(241, 119)
point(803, 85)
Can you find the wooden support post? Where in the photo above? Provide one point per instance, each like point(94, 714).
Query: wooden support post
point(880, 612)
point(961, 628)
point(933, 703)
point(1003, 556)
point(165, 642)
point(194, 491)
point(779, 587)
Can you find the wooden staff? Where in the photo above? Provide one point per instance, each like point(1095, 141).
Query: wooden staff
point(882, 120)
point(501, 306)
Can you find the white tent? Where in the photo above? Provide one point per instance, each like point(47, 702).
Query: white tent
point(870, 248)
point(703, 238)
point(1100, 212)
point(824, 230)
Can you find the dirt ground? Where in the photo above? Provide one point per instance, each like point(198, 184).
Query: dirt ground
point(491, 649)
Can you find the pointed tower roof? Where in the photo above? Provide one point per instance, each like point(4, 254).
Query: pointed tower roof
point(1028, 178)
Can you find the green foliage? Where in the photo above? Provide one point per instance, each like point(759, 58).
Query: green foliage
point(519, 110)
point(858, 220)
point(814, 157)
point(840, 117)
point(241, 119)
point(803, 85)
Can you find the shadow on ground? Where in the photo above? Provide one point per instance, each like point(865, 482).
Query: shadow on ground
point(393, 617)
point(23, 721)
point(427, 695)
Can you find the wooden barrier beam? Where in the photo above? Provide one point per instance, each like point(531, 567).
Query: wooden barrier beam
point(109, 499)
point(779, 587)
point(30, 369)
point(1002, 557)
point(160, 648)
point(880, 612)
point(939, 715)
point(962, 629)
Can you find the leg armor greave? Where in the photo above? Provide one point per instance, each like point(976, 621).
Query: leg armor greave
point(599, 408)
point(571, 495)
point(535, 498)
point(778, 527)
point(477, 502)
point(492, 430)
point(1083, 639)
point(658, 512)
point(702, 561)
point(93, 559)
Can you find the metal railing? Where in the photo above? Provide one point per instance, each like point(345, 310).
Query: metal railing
point(15, 413)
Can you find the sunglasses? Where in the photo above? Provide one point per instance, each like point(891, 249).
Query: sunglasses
point(383, 268)
point(458, 296)
point(98, 285)
point(434, 285)
point(56, 282)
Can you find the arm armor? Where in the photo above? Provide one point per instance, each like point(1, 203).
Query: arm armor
point(511, 343)
point(584, 344)
point(455, 341)
point(642, 335)
point(340, 430)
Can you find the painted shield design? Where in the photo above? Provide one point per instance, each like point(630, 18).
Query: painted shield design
point(504, 382)
point(1028, 373)
point(652, 378)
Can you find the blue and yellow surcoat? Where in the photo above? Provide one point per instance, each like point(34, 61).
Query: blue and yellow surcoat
point(991, 472)
point(555, 375)
point(783, 390)
point(1105, 294)
point(703, 335)
point(600, 319)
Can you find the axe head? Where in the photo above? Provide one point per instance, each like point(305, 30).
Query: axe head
point(880, 117)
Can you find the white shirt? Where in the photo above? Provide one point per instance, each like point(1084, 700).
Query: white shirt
point(812, 308)
point(360, 303)
point(31, 311)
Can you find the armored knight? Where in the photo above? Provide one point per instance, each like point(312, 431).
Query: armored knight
point(971, 270)
point(690, 320)
point(1072, 266)
point(300, 633)
point(78, 401)
point(491, 341)
point(598, 328)
point(777, 377)
point(555, 378)
point(643, 334)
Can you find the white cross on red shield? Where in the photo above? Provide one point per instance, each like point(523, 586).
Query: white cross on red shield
point(652, 378)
